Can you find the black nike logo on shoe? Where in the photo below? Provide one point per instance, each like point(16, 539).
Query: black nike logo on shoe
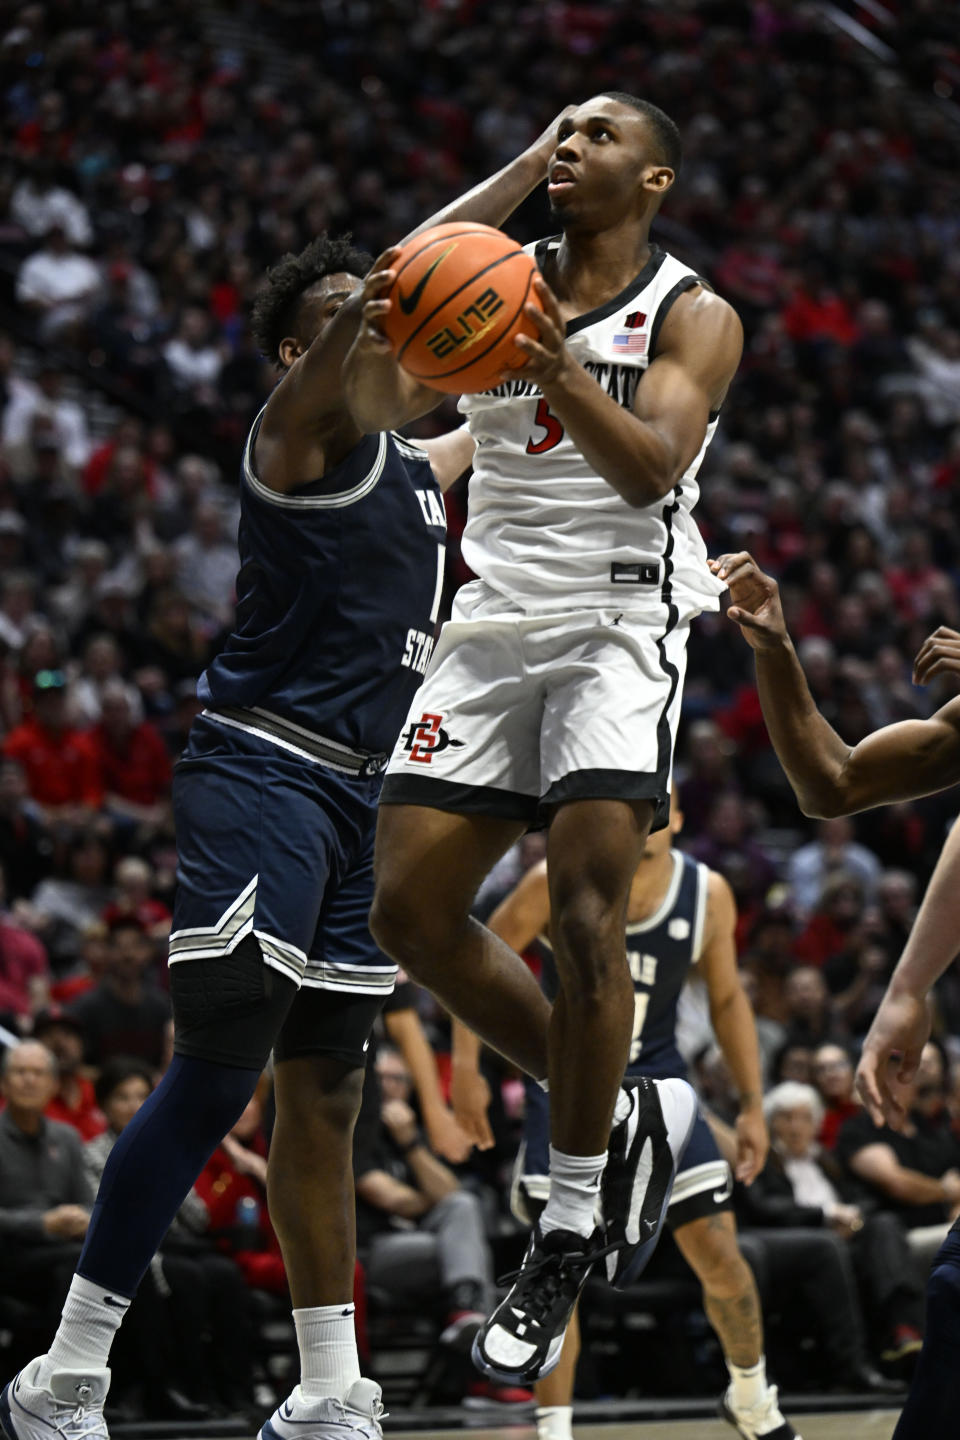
point(409, 303)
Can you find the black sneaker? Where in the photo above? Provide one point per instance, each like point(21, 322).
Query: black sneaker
point(645, 1150)
point(522, 1339)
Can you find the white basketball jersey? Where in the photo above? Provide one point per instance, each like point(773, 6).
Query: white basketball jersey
point(543, 529)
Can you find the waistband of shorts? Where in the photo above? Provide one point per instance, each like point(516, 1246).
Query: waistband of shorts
point(298, 740)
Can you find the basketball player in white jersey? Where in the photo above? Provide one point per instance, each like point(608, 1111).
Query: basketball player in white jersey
point(554, 691)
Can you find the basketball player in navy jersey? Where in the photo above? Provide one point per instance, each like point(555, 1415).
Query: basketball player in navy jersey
point(555, 690)
point(899, 762)
point(679, 915)
point(341, 550)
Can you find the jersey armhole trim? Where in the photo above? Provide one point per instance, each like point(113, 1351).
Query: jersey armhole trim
point(336, 501)
point(665, 909)
point(700, 914)
point(685, 283)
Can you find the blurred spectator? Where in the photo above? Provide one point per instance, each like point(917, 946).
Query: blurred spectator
point(64, 904)
point(833, 1074)
point(133, 765)
point(62, 775)
point(74, 1102)
point(59, 284)
point(134, 881)
point(833, 851)
point(39, 410)
point(38, 203)
point(913, 1173)
point(26, 847)
point(24, 970)
point(809, 1015)
point(126, 1013)
point(207, 565)
point(44, 1194)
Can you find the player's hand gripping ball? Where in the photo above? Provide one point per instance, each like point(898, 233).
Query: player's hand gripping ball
point(456, 307)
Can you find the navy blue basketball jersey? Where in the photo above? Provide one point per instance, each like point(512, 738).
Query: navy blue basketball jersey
point(337, 596)
point(660, 951)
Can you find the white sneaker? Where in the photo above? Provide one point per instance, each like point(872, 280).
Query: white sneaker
point(762, 1421)
point(300, 1418)
point(71, 1408)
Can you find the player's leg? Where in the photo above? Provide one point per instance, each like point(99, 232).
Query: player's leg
point(555, 1392)
point(429, 866)
point(320, 1058)
point(934, 1401)
point(228, 1008)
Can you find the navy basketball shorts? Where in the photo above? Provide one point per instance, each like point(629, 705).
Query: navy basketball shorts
point(270, 946)
point(703, 1187)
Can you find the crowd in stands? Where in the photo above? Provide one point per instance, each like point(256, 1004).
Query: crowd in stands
point(154, 160)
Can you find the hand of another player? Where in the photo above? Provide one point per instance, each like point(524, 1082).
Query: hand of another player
point(377, 282)
point(547, 355)
point(470, 1095)
point(753, 1144)
point(938, 655)
point(446, 1137)
point(754, 600)
point(891, 1055)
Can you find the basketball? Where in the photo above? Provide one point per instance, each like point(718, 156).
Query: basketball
point(457, 306)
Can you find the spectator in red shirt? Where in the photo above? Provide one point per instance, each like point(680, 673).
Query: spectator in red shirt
point(833, 1077)
point(75, 1102)
point(24, 969)
point(132, 762)
point(61, 769)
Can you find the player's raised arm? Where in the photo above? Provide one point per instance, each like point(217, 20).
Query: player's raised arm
point(518, 920)
point(642, 452)
point(734, 1026)
point(830, 777)
point(312, 394)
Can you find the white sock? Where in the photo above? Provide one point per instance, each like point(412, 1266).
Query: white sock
point(748, 1387)
point(574, 1192)
point(554, 1422)
point(623, 1106)
point(329, 1363)
point(91, 1317)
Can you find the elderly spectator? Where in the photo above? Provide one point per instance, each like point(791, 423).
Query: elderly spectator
point(58, 283)
point(44, 1193)
point(827, 1249)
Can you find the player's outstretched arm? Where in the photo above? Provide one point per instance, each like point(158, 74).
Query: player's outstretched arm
point(830, 777)
point(642, 452)
point(901, 1027)
point(734, 1026)
point(517, 920)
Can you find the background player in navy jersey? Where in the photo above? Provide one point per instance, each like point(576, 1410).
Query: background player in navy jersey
point(899, 762)
point(679, 914)
point(341, 549)
point(560, 675)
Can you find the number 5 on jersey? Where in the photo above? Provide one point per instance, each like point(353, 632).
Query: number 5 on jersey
point(553, 430)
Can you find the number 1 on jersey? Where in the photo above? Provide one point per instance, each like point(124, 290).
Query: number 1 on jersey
point(641, 1003)
point(441, 558)
point(548, 423)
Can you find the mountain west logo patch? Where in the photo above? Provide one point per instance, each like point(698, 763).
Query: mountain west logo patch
point(426, 737)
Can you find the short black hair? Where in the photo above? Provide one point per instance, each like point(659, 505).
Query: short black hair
point(116, 1071)
point(664, 129)
point(274, 314)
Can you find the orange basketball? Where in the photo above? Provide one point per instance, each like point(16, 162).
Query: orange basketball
point(457, 306)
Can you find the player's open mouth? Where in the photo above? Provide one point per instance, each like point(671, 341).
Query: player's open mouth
point(561, 179)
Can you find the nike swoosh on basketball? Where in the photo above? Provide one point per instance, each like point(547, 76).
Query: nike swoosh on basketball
point(409, 303)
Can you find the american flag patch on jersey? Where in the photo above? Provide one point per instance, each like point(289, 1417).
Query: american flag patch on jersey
point(630, 342)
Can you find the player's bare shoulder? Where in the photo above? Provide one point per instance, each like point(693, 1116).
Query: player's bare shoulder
point(721, 917)
point(704, 334)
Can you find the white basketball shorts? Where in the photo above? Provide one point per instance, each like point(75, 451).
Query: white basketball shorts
point(519, 713)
